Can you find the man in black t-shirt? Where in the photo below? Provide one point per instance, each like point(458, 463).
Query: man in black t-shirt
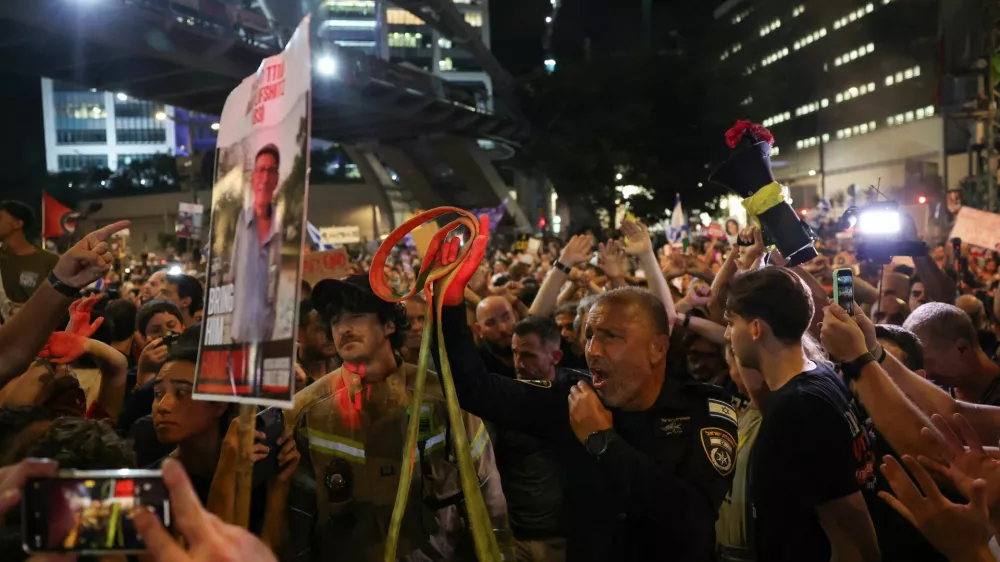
point(813, 458)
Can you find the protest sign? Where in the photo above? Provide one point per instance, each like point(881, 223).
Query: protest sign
point(331, 264)
point(189, 220)
point(979, 228)
point(521, 244)
point(715, 231)
point(339, 235)
point(247, 351)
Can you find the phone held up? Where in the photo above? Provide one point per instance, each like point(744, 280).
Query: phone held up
point(843, 289)
point(87, 512)
point(270, 422)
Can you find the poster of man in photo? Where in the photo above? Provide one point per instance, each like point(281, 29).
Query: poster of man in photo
point(247, 349)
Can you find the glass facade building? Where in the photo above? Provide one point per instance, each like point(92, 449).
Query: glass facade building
point(380, 28)
point(86, 128)
point(842, 85)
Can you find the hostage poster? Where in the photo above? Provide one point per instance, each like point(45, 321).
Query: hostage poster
point(247, 351)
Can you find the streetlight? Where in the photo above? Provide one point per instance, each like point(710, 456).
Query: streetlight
point(161, 116)
point(618, 177)
point(215, 126)
point(812, 172)
point(122, 96)
point(326, 65)
point(700, 184)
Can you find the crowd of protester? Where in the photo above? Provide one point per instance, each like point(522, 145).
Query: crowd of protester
point(623, 400)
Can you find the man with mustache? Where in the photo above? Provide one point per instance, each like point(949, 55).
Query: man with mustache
point(648, 458)
point(353, 424)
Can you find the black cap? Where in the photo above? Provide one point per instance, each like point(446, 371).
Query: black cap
point(19, 211)
point(330, 296)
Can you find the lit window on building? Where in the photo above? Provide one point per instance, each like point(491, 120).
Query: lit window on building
point(896, 78)
point(405, 40)
point(775, 56)
point(910, 116)
point(855, 91)
point(475, 19)
point(396, 16)
point(775, 151)
point(775, 24)
point(80, 162)
point(853, 16)
point(798, 10)
point(446, 64)
point(854, 54)
point(741, 16)
point(779, 118)
point(80, 114)
point(808, 39)
point(807, 143)
point(444, 43)
point(810, 107)
point(856, 130)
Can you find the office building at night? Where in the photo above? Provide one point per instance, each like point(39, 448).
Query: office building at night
point(86, 128)
point(382, 29)
point(849, 90)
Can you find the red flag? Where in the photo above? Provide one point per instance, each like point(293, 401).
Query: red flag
point(57, 219)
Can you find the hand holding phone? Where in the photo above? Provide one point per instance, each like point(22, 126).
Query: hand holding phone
point(843, 289)
point(88, 512)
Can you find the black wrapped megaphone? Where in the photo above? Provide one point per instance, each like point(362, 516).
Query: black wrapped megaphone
point(748, 174)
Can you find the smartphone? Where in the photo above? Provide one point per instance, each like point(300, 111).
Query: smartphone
point(86, 512)
point(271, 422)
point(170, 339)
point(843, 289)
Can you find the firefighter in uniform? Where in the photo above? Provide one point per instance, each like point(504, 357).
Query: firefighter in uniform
point(648, 457)
point(351, 434)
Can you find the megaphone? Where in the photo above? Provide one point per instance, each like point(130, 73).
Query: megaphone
point(747, 173)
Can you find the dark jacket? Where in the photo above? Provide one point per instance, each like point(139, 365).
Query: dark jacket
point(654, 494)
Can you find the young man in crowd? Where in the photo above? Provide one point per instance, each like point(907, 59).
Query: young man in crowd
point(416, 314)
point(187, 293)
point(636, 490)
point(157, 319)
point(352, 425)
point(23, 267)
point(317, 353)
point(953, 357)
point(121, 313)
point(813, 461)
point(531, 475)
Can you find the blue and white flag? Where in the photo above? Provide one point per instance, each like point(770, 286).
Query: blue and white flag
point(677, 231)
point(315, 237)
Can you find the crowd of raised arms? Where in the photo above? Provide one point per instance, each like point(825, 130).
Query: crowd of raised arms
point(623, 401)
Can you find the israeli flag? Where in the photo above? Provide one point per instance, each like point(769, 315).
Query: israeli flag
point(678, 229)
point(315, 237)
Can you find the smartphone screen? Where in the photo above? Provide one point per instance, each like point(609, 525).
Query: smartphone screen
point(843, 289)
point(87, 511)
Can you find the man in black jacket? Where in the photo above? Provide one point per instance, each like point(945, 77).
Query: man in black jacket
point(648, 458)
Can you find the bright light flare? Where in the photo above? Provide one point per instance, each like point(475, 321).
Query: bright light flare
point(175, 270)
point(122, 96)
point(921, 199)
point(326, 66)
point(812, 172)
point(879, 222)
point(215, 126)
point(161, 116)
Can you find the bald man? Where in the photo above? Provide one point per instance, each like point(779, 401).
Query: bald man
point(151, 288)
point(977, 313)
point(494, 329)
point(953, 356)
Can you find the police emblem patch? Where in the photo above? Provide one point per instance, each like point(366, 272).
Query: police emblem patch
point(721, 410)
point(672, 426)
point(540, 384)
point(720, 447)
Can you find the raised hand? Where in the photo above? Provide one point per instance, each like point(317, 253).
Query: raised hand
point(638, 237)
point(577, 250)
point(208, 539)
point(750, 255)
point(89, 259)
point(288, 456)
point(960, 532)
point(64, 347)
point(963, 466)
point(841, 335)
point(79, 316)
point(612, 259)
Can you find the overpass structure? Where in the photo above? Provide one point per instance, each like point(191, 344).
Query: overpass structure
point(163, 51)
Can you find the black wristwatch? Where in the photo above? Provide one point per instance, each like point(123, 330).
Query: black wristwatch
point(852, 369)
point(63, 288)
point(561, 267)
point(598, 441)
point(880, 353)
